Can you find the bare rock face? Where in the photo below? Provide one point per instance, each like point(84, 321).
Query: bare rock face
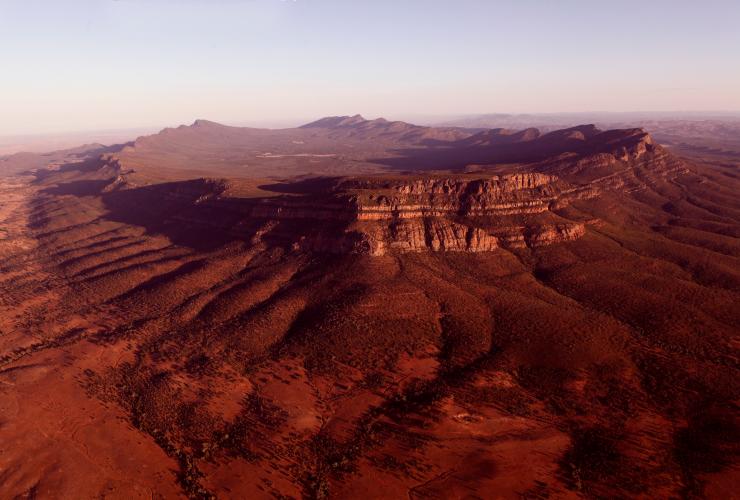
point(378, 216)
point(438, 235)
point(432, 214)
point(502, 195)
point(431, 234)
point(628, 145)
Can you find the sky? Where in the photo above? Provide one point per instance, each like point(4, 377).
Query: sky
point(77, 65)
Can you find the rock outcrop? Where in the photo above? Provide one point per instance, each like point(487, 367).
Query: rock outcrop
point(377, 216)
point(436, 235)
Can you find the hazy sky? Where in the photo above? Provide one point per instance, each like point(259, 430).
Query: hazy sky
point(89, 64)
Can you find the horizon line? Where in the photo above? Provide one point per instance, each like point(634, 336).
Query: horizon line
point(305, 120)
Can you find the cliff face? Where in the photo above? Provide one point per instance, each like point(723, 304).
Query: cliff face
point(450, 214)
point(377, 216)
point(392, 200)
point(440, 235)
point(508, 194)
point(406, 235)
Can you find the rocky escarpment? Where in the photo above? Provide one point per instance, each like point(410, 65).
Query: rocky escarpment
point(493, 195)
point(467, 212)
point(377, 216)
point(381, 199)
point(455, 214)
point(439, 235)
point(613, 158)
point(513, 198)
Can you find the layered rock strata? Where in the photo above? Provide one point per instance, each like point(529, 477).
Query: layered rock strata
point(381, 216)
point(438, 235)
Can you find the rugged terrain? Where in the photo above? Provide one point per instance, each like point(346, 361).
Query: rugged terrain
point(364, 308)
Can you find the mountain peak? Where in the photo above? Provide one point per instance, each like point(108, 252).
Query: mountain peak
point(336, 121)
point(205, 123)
